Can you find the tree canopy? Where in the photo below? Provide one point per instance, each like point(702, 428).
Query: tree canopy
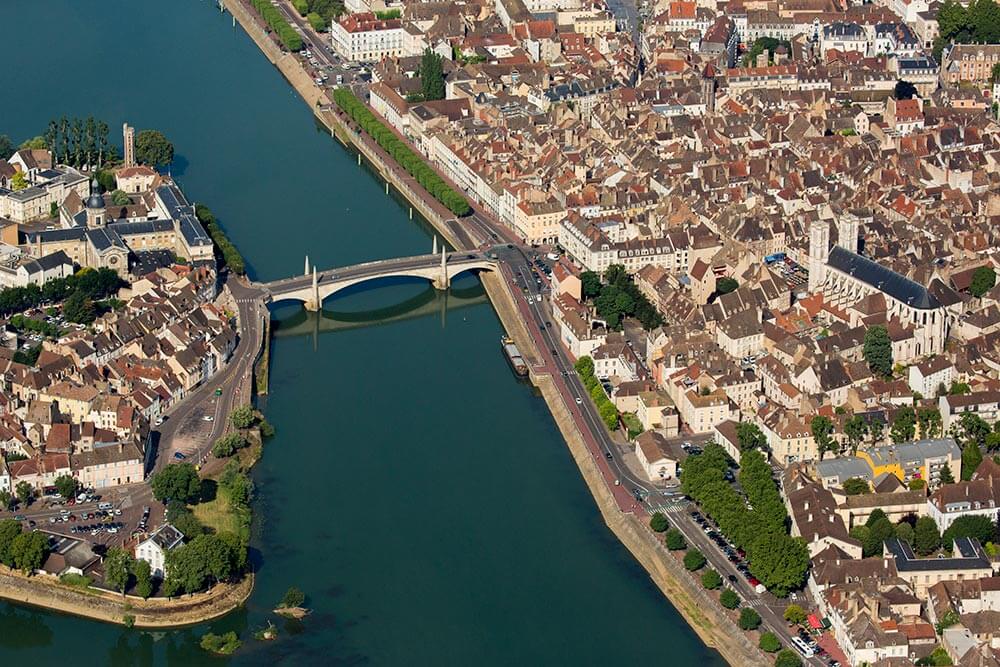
point(856, 486)
point(926, 538)
point(177, 481)
point(153, 149)
point(750, 436)
point(983, 280)
point(431, 76)
point(981, 528)
point(877, 350)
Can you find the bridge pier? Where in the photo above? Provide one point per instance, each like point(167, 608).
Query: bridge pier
point(442, 282)
point(314, 304)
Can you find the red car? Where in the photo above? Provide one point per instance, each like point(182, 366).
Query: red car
point(753, 582)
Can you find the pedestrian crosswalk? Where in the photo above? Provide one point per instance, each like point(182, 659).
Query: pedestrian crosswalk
point(755, 602)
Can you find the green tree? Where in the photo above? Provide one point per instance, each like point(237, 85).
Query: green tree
point(726, 285)
point(903, 426)
point(787, 658)
point(880, 529)
point(750, 436)
point(983, 280)
point(729, 599)
point(19, 181)
point(79, 308)
point(945, 476)
point(293, 597)
point(929, 420)
point(66, 486)
point(181, 518)
point(6, 498)
point(658, 522)
point(301, 6)
point(591, 284)
point(6, 147)
point(959, 388)
point(177, 482)
point(220, 644)
point(143, 578)
point(584, 366)
point(711, 580)
point(877, 350)
point(904, 531)
point(35, 143)
point(876, 428)
point(769, 642)
point(24, 491)
point(822, 429)
point(432, 76)
point(243, 417)
point(228, 444)
point(153, 149)
point(29, 551)
point(926, 538)
point(779, 561)
point(749, 619)
point(117, 565)
point(795, 614)
point(119, 198)
point(981, 528)
point(675, 540)
point(317, 22)
point(9, 530)
point(694, 560)
point(855, 429)
point(972, 456)
point(856, 486)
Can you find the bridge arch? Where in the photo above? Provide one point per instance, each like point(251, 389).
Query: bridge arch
point(330, 283)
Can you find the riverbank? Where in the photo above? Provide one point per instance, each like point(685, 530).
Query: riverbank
point(43, 591)
point(713, 627)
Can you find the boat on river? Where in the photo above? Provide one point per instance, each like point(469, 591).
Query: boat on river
point(513, 356)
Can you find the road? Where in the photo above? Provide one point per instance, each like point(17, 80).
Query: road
point(186, 424)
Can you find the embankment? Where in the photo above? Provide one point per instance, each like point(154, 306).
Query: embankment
point(43, 591)
point(701, 612)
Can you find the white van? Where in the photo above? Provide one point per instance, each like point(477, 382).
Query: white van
point(803, 647)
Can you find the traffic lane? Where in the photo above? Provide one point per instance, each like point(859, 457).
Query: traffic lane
point(588, 423)
point(696, 536)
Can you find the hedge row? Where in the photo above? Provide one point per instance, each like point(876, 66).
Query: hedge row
point(273, 18)
point(231, 257)
point(400, 152)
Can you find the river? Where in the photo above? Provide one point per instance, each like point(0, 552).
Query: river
point(420, 495)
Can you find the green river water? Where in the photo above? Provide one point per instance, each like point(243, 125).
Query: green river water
point(420, 495)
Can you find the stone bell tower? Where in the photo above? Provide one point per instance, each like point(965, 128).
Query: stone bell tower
point(819, 252)
point(128, 135)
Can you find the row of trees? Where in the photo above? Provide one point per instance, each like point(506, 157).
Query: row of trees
point(79, 142)
point(979, 22)
point(778, 560)
point(276, 22)
point(22, 550)
point(609, 413)
point(400, 152)
point(922, 533)
point(319, 13)
point(695, 560)
point(86, 285)
point(229, 255)
point(618, 297)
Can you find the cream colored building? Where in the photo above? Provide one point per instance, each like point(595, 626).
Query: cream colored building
point(654, 457)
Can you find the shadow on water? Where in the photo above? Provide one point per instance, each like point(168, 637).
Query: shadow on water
point(429, 301)
point(23, 629)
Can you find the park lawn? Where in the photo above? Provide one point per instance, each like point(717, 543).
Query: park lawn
point(218, 514)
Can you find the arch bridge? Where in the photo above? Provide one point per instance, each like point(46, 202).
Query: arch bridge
point(313, 287)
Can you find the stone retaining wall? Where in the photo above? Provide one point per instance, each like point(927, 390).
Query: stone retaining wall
point(44, 591)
